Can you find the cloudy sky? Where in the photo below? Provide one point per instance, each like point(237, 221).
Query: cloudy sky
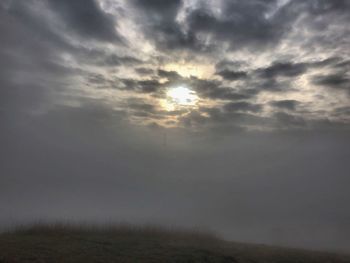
point(227, 115)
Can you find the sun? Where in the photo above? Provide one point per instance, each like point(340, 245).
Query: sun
point(182, 96)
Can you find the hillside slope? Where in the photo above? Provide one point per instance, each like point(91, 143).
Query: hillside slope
point(76, 244)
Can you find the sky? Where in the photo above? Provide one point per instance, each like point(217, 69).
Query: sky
point(232, 116)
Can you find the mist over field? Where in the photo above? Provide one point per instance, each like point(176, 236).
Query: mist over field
point(283, 189)
point(230, 116)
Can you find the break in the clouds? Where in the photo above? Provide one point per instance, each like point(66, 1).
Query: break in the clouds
point(104, 87)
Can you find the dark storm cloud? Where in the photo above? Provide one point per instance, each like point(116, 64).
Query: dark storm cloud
point(254, 24)
point(232, 75)
point(144, 71)
point(334, 81)
point(285, 69)
point(225, 93)
point(261, 79)
point(290, 69)
point(148, 86)
point(143, 86)
point(331, 61)
point(229, 65)
point(206, 88)
point(170, 7)
point(158, 20)
point(242, 106)
point(343, 64)
point(268, 78)
point(242, 23)
point(273, 85)
point(86, 18)
point(285, 104)
point(170, 75)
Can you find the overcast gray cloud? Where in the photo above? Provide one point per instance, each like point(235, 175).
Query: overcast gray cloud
point(231, 115)
point(86, 18)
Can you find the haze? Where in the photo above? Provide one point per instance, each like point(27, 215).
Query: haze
point(232, 116)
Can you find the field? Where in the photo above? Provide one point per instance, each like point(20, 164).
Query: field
point(69, 243)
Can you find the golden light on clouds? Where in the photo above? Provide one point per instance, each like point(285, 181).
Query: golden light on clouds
point(187, 70)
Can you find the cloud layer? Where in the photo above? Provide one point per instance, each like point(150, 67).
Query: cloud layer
point(259, 52)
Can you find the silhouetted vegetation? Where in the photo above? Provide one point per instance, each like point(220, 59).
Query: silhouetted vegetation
point(125, 243)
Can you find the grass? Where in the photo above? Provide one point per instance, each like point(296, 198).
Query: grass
point(123, 243)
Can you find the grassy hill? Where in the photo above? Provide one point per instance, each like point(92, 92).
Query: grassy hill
point(64, 243)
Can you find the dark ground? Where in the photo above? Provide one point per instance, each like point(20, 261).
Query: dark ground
point(62, 243)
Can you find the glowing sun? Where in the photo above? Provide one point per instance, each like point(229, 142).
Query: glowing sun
point(182, 96)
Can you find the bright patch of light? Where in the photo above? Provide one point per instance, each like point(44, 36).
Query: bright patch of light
point(182, 96)
point(187, 70)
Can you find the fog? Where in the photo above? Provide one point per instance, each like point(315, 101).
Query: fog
point(286, 189)
point(89, 133)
